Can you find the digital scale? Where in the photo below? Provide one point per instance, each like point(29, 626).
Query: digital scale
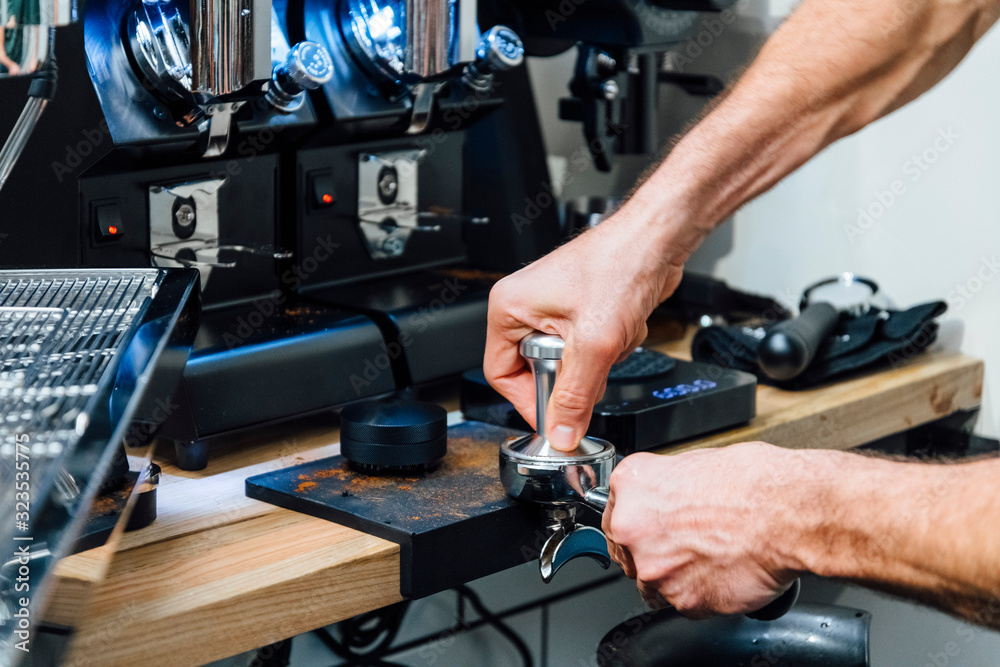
point(651, 400)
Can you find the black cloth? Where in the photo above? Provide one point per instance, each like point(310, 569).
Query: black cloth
point(879, 337)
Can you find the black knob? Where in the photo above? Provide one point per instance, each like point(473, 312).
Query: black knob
point(307, 67)
point(499, 49)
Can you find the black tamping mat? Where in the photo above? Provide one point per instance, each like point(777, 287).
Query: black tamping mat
point(453, 524)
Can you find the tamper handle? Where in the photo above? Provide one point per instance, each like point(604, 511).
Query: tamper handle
point(543, 352)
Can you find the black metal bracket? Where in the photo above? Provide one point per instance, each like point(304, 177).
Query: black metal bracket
point(618, 105)
point(595, 101)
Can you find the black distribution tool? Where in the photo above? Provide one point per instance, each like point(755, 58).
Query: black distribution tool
point(393, 436)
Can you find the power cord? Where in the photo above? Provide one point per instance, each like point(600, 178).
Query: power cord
point(367, 639)
point(501, 627)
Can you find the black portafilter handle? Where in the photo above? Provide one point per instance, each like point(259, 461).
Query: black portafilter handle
point(779, 606)
point(790, 346)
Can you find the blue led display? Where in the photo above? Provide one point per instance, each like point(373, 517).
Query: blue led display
point(684, 389)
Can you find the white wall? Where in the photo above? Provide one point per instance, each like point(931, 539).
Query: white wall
point(939, 236)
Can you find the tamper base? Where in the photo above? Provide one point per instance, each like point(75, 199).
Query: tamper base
point(537, 447)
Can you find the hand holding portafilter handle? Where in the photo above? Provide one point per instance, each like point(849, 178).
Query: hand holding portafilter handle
point(544, 355)
point(597, 499)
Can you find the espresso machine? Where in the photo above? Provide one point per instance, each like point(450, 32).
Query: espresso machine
point(311, 165)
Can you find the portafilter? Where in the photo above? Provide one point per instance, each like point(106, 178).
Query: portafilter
point(531, 470)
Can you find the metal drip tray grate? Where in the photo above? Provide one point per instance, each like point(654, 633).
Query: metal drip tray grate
point(57, 337)
point(83, 353)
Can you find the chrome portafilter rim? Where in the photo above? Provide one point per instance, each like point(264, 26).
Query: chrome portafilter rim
point(555, 480)
point(607, 452)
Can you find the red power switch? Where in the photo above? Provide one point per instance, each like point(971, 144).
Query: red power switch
point(323, 194)
point(108, 220)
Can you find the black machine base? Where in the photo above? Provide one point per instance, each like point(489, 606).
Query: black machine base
point(273, 359)
point(433, 321)
point(266, 361)
point(652, 400)
point(453, 524)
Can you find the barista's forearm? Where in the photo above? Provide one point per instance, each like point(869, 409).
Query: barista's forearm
point(925, 531)
point(833, 67)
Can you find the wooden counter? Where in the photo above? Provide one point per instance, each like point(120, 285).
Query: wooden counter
point(218, 574)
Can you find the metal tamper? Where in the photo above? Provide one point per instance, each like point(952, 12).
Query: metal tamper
point(531, 470)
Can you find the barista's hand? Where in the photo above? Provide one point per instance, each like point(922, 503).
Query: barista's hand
point(596, 292)
point(710, 531)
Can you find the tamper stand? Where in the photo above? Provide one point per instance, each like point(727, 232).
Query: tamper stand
point(531, 470)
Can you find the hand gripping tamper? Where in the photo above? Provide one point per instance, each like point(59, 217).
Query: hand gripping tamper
point(531, 470)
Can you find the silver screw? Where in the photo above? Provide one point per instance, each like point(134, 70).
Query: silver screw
point(393, 246)
point(185, 215)
point(387, 185)
point(605, 64)
point(610, 89)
